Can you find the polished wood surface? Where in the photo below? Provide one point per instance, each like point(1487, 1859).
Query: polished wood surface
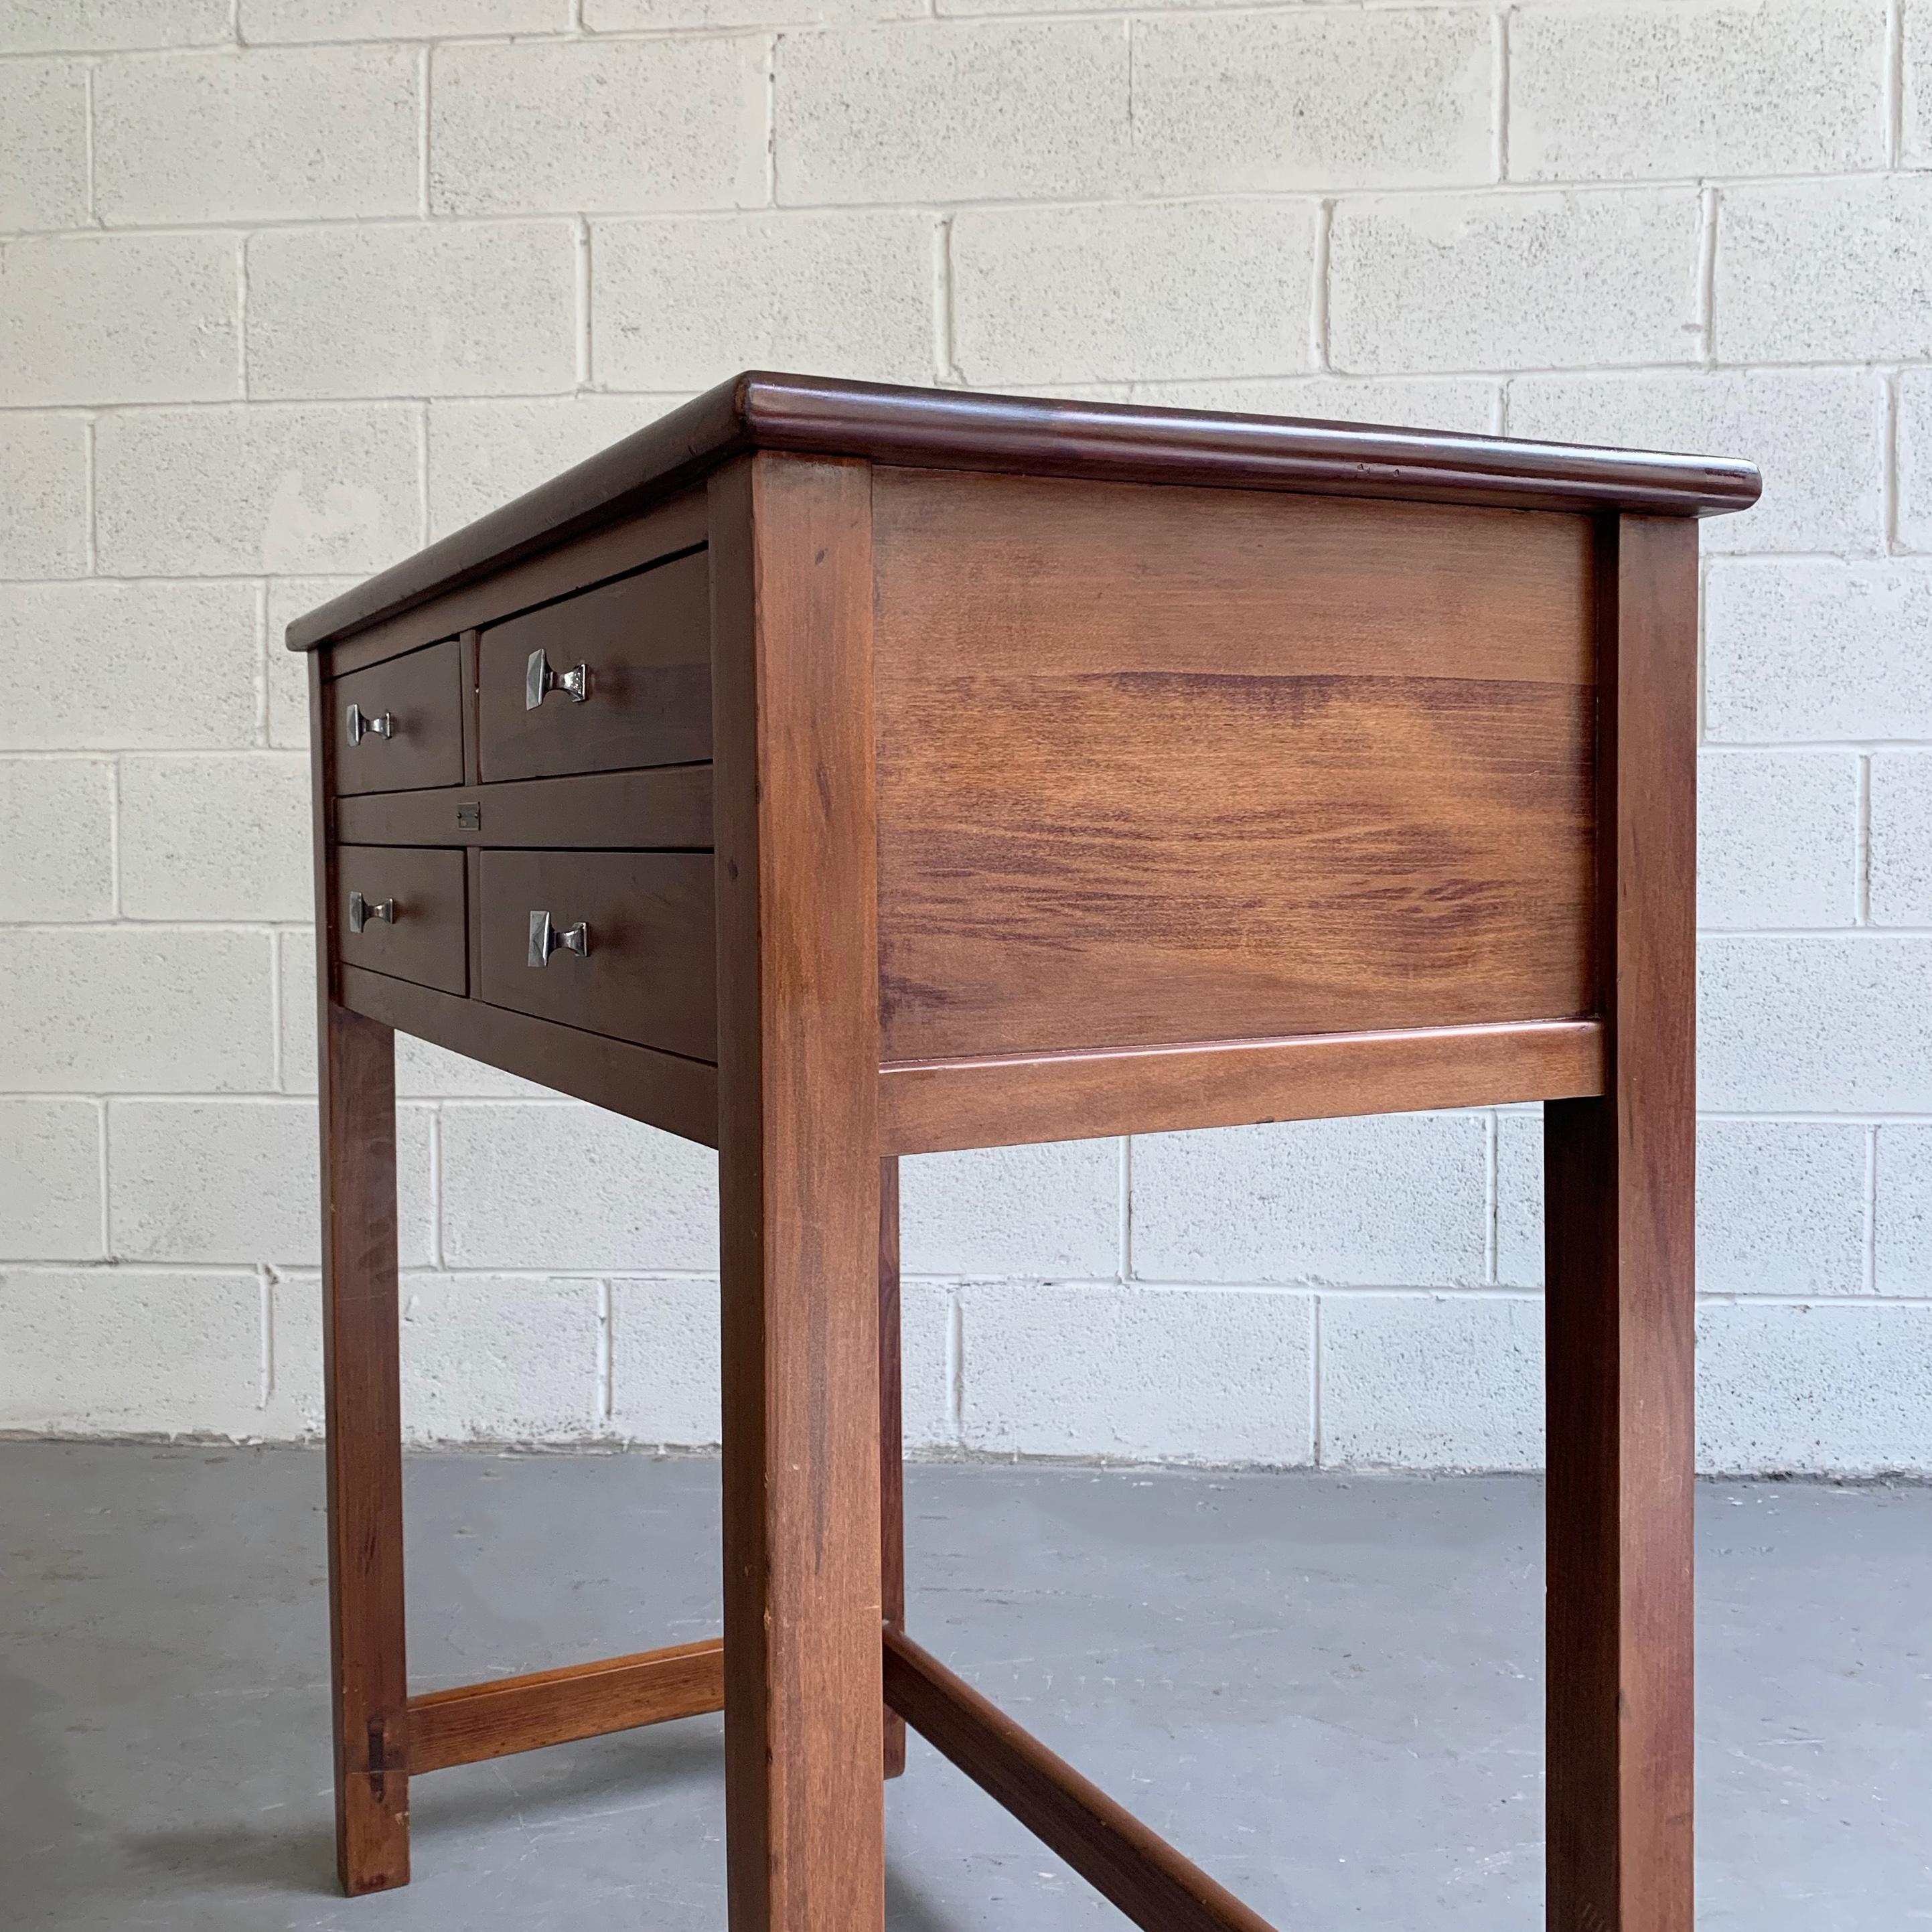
point(798, 1179)
point(667, 808)
point(422, 694)
point(1188, 764)
point(935, 428)
point(663, 1089)
point(644, 640)
point(1123, 1861)
point(1620, 1303)
point(475, 1721)
point(651, 975)
point(929, 1106)
point(427, 939)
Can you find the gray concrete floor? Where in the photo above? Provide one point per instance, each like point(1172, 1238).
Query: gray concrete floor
point(1325, 1689)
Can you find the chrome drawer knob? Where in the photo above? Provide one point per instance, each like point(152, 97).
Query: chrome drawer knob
point(361, 911)
point(361, 725)
point(546, 938)
point(539, 681)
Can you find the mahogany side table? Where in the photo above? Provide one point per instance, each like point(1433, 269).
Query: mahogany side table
point(829, 773)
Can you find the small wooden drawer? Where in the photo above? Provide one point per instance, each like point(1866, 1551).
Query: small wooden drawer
point(649, 974)
point(644, 645)
point(412, 912)
point(408, 724)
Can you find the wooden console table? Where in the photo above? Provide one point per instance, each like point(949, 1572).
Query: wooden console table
point(830, 773)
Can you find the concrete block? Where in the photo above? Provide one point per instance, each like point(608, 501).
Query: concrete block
point(423, 309)
point(974, 112)
point(288, 598)
point(56, 839)
point(483, 454)
point(43, 145)
point(1432, 1381)
point(485, 1358)
point(929, 1423)
point(1515, 281)
point(264, 20)
point(1392, 1201)
point(1452, 402)
point(1915, 458)
point(423, 1072)
point(679, 305)
point(168, 665)
point(257, 135)
point(121, 319)
point(50, 1198)
point(499, 1358)
point(1780, 1207)
point(216, 836)
point(1902, 1223)
point(1628, 89)
point(239, 1180)
point(43, 483)
point(133, 1009)
point(613, 17)
point(1825, 271)
point(116, 1351)
point(664, 1363)
point(1519, 1198)
point(1134, 1374)
point(1901, 838)
point(1837, 1388)
point(592, 1191)
point(1777, 839)
point(1043, 295)
point(619, 127)
point(1915, 85)
point(1825, 1025)
point(184, 493)
point(1313, 98)
point(1817, 649)
point(1030, 1211)
point(38, 26)
point(1817, 434)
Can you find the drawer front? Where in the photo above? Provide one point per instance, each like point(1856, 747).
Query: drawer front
point(644, 643)
point(410, 729)
point(424, 938)
point(650, 973)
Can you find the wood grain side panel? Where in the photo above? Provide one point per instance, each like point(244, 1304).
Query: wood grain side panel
point(1162, 765)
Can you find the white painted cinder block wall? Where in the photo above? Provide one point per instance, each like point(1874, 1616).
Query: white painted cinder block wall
point(291, 287)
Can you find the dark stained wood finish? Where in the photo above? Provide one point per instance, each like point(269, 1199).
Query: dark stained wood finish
point(362, 1396)
point(799, 1184)
point(1620, 1303)
point(1134, 1867)
point(646, 642)
point(891, 1442)
point(427, 940)
point(504, 588)
point(423, 693)
point(662, 1090)
point(930, 1106)
point(475, 1721)
point(666, 809)
point(1187, 764)
point(651, 975)
point(935, 428)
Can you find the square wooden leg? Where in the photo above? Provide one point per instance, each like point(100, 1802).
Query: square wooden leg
point(368, 1672)
point(892, 1443)
point(1621, 1297)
